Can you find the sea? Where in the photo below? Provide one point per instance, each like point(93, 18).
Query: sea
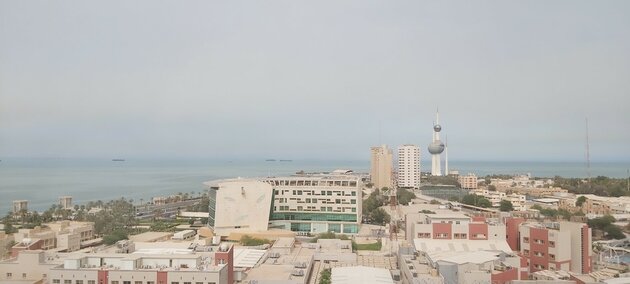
point(43, 181)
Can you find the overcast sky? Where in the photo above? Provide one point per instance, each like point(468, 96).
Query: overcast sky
point(513, 80)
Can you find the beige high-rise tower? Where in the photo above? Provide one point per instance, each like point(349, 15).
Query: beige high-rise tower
point(381, 166)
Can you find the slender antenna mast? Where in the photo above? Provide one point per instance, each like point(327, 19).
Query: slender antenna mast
point(446, 155)
point(588, 156)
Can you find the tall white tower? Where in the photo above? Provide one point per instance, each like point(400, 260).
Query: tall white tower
point(409, 166)
point(436, 147)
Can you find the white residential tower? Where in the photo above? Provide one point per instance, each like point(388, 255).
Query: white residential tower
point(409, 166)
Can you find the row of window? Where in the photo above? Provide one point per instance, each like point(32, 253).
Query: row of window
point(313, 192)
point(538, 241)
point(314, 217)
point(313, 183)
point(10, 275)
point(313, 208)
point(539, 254)
point(58, 281)
point(461, 236)
point(315, 200)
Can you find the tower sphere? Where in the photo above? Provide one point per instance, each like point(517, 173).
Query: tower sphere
point(436, 147)
point(437, 128)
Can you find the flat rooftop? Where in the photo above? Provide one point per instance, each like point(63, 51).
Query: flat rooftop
point(150, 236)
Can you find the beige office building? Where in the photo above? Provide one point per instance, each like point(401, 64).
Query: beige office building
point(381, 166)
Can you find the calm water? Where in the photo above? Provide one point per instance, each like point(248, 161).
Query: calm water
point(42, 181)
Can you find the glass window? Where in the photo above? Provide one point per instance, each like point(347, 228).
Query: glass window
point(350, 228)
point(335, 228)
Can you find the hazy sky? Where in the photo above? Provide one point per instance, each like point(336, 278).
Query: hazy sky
point(514, 80)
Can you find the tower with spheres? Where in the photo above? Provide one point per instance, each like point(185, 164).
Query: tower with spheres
point(436, 148)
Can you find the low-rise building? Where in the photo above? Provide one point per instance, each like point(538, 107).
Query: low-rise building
point(495, 197)
point(62, 236)
point(463, 261)
point(211, 265)
point(468, 181)
point(553, 246)
point(361, 274)
point(452, 225)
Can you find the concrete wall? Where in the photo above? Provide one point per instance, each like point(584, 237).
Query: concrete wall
point(242, 205)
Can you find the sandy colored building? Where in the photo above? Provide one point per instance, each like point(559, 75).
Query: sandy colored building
point(468, 181)
point(381, 166)
point(61, 236)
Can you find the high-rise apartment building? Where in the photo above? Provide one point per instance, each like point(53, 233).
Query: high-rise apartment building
point(65, 202)
point(19, 205)
point(381, 166)
point(409, 166)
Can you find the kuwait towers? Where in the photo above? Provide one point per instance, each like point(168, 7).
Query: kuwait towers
point(436, 148)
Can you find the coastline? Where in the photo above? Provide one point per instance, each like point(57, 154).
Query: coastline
point(42, 181)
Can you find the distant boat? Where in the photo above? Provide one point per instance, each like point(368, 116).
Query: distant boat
point(286, 160)
point(118, 160)
point(270, 160)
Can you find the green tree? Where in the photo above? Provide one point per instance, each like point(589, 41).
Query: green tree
point(492, 188)
point(379, 216)
point(325, 276)
point(115, 236)
point(580, 201)
point(613, 232)
point(247, 240)
point(506, 206)
point(404, 196)
point(433, 201)
point(453, 198)
point(476, 200)
point(8, 225)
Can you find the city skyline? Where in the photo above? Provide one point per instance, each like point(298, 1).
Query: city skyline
point(237, 80)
